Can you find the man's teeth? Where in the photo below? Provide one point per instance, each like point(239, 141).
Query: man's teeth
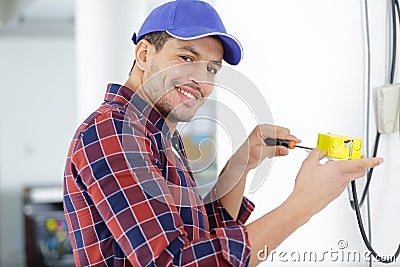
point(186, 93)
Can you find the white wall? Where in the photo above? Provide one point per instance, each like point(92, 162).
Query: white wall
point(104, 47)
point(308, 59)
point(38, 118)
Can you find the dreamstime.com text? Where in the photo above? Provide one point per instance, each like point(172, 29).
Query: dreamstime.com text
point(339, 254)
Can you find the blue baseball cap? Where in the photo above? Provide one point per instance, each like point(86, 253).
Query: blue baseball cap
point(189, 20)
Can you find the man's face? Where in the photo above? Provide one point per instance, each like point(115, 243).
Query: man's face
point(179, 77)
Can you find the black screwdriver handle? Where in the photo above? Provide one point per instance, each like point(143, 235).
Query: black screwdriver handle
point(278, 142)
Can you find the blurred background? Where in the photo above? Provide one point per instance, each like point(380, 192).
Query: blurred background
point(308, 58)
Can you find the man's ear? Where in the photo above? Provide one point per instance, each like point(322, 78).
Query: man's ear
point(143, 50)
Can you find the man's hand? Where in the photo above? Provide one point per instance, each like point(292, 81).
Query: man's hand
point(254, 150)
point(250, 154)
point(318, 184)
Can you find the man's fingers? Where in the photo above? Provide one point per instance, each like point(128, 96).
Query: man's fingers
point(281, 151)
point(284, 134)
point(355, 175)
point(359, 165)
point(315, 156)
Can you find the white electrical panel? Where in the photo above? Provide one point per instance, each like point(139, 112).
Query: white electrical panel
point(387, 104)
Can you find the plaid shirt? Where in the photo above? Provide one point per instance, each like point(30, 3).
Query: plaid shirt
point(130, 201)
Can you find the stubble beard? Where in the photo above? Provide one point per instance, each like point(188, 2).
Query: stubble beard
point(175, 115)
point(161, 102)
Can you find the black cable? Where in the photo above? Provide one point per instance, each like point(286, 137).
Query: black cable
point(383, 259)
point(395, 7)
point(356, 205)
point(368, 111)
point(369, 174)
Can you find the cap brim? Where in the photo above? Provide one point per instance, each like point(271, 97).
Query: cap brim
point(233, 51)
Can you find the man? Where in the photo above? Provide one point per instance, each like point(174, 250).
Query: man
point(130, 197)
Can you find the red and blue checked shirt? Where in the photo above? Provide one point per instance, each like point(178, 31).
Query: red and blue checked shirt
point(130, 201)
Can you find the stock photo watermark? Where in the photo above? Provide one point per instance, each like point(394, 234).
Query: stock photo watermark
point(236, 106)
point(340, 253)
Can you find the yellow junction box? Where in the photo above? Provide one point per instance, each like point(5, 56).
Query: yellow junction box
point(339, 146)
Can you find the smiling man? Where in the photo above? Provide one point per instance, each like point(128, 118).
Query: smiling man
point(130, 198)
point(189, 68)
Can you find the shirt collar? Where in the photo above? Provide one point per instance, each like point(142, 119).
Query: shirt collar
point(120, 94)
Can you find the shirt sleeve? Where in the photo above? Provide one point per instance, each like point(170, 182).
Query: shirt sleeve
point(117, 167)
point(219, 217)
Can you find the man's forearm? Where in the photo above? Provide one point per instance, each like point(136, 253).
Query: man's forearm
point(274, 227)
point(231, 184)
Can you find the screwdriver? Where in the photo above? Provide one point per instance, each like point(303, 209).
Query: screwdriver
point(285, 143)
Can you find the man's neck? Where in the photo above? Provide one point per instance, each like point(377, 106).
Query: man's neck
point(134, 85)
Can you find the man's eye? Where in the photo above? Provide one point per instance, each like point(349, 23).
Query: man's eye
point(212, 70)
point(186, 58)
